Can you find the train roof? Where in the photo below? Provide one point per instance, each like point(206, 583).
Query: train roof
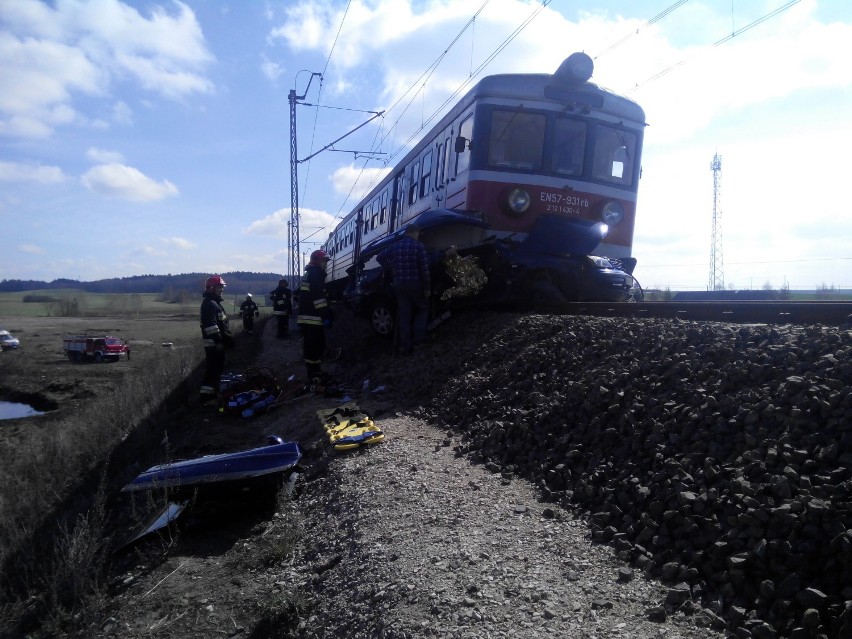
point(548, 87)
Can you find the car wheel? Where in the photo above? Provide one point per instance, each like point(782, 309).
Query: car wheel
point(543, 292)
point(99, 357)
point(382, 319)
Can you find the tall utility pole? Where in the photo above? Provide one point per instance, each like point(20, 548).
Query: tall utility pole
point(293, 244)
point(717, 271)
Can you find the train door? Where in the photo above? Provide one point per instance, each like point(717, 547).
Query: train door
point(459, 162)
point(396, 201)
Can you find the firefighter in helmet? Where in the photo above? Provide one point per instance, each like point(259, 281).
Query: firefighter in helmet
point(282, 307)
point(215, 335)
point(315, 315)
point(248, 311)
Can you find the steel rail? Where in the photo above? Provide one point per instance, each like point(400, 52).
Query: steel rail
point(764, 312)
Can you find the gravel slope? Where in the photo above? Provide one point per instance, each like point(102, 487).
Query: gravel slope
point(418, 542)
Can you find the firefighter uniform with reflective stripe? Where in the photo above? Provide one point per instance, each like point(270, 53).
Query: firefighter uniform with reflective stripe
point(216, 337)
point(314, 316)
point(282, 308)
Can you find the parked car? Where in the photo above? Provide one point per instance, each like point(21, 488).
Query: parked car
point(8, 341)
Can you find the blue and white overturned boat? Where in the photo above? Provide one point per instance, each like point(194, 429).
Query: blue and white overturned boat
point(277, 457)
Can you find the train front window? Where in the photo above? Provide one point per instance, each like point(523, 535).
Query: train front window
point(569, 147)
point(517, 140)
point(615, 153)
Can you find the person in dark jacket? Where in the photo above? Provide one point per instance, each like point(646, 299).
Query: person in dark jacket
point(248, 311)
point(215, 335)
point(282, 307)
point(409, 264)
point(315, 315)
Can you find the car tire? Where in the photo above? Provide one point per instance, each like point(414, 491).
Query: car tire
point(382, 318)
point(544, 293)
point(99, 357)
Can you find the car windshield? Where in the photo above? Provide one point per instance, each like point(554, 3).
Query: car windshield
point(113, 342)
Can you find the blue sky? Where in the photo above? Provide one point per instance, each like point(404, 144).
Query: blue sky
point(153, 137)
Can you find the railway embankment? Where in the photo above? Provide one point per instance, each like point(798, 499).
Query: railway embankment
point(715, 457)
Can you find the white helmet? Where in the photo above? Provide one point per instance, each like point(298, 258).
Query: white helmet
point(248, 294)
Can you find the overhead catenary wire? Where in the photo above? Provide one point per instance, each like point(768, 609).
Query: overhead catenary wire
point(719, 42)
point(458, 90)
point(648, 23)
point(420, 81)
point(319, 94)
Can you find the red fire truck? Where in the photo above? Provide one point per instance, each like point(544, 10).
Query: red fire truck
point(79, 348)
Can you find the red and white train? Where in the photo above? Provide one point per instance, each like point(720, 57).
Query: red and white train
point(519, 152)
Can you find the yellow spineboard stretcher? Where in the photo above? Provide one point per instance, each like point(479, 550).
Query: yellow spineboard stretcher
point(347, 427)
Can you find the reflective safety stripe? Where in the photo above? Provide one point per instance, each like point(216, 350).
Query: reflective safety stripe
point(280, 313)
point(208, 343)
point(207, 390)
point(314, 320)
point(320, 303)
point(313, 361)
point(211, 330)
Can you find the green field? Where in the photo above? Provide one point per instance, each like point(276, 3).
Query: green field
point(76, 303)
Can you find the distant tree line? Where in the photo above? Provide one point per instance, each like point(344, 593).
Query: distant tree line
point(172, 288)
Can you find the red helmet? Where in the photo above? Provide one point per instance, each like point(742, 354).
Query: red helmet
point(215, 280)
point(316, 256)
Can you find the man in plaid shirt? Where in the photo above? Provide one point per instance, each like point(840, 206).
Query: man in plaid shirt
point(409, 264)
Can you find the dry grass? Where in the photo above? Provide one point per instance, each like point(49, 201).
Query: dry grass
point(53, 534)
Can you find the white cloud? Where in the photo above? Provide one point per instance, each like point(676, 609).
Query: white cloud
point(30, 248)
point(104, 157)
point(357, 180)
point(16, 172)
point(122, 113)
point(53, 54)
point(275, 225)
point(127, 183)
point(272, 70)
point(178, 243)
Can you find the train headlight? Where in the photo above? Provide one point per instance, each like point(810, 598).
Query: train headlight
point(612, 213)
point(518, 201)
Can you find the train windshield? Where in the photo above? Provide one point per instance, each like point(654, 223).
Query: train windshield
point(564, 146)
point(517, 140)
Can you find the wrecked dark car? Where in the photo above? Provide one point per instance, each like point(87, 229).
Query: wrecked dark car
point(551, 266)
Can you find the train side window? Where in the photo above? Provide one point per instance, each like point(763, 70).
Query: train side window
point(615, 151)
point(413, 179)
point(375, 214)
point(466, 132)
point(569, 147)
point(425, 173)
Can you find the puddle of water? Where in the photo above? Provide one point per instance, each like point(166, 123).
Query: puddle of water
point(13, 410)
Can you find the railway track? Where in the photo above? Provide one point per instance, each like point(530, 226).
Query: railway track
point(764, 312)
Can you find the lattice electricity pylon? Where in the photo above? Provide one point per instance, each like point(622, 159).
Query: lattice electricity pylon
point(717, 267)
